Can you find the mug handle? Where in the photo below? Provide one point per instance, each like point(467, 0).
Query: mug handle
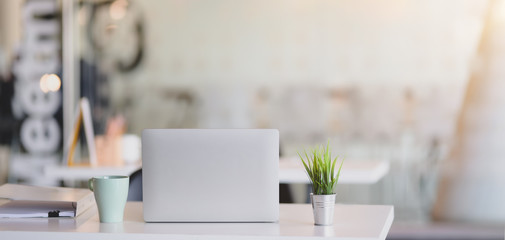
point(90, 184)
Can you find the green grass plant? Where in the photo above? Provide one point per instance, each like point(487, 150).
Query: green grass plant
point(320, 168)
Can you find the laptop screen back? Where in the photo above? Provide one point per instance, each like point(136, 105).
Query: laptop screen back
point(210, 175)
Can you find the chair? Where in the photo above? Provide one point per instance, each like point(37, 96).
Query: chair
point(135, 189)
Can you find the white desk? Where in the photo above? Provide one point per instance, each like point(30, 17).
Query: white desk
point(290, 171)
point(364, 222)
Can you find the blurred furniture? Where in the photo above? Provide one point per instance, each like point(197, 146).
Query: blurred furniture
point(296, 222)
point(290, 171)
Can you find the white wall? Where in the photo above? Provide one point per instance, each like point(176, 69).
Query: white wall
point(383, 79)
point(330, 43)
point(10, 30)
point(363, 57)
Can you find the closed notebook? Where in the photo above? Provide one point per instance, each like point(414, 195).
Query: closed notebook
point(31, 201)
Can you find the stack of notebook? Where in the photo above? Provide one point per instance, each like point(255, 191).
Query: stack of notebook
point(29, 201)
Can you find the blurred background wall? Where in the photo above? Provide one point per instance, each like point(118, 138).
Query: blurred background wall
point(382, 80)
point(414, 83)
point(472, 178)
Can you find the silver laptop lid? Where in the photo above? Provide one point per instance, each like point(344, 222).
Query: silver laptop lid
point(210, 175)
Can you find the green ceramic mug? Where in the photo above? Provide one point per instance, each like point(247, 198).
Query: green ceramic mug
point(110, 195)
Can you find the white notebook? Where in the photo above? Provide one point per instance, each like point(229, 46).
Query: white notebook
point(30, 201)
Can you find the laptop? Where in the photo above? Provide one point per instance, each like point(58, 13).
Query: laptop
point(210, 175)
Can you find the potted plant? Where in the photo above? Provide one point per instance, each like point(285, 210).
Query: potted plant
point(320, 167)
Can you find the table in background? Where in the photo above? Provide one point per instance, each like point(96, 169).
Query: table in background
point(296, 222)
point(290, 171)
point(353, 171)
point(83, 173)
